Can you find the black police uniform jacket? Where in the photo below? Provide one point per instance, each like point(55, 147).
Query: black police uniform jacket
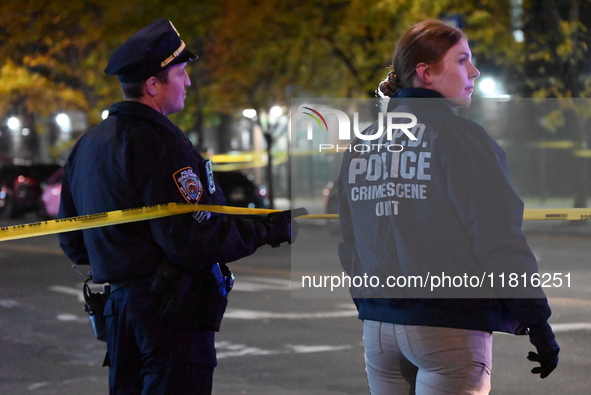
point(442, 205)
point(137, 157)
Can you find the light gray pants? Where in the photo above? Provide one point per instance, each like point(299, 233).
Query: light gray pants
point(423, 360)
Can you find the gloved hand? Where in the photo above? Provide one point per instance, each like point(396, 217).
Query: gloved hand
point(280, 226)
point(542, 337)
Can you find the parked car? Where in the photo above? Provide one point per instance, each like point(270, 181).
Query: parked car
point(20, 188)
point(238, 189)
point(50, 197)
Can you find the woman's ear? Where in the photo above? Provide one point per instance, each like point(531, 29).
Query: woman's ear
point(424, 73)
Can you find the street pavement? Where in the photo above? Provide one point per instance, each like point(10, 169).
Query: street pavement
point(273, 340)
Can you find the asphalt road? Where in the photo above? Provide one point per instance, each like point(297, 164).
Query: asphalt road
point(272, 341)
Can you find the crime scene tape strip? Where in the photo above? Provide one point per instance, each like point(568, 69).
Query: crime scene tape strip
point(569, 214)
point(555, 144)
point(117, 217)
point(531, 214)
point(164, 210)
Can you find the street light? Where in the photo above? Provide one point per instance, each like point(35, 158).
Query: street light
point(488, 86)
point(275, 112)
point(13, 124)
point(249, 113)
point(64, 122)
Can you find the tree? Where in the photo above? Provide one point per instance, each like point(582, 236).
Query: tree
point(56, 51)
point(62, 43)
point(557, 66)
point(266, 52)
point(557, 46)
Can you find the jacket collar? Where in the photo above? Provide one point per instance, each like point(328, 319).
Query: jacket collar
point(138, 109)
point(417, 93)
point(413, 95)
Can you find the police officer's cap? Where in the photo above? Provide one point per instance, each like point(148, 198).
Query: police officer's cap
point(147, 52)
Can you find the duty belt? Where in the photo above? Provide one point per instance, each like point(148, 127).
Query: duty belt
point(141, 281)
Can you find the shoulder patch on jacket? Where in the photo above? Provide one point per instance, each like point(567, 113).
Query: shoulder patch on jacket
point(188, 184)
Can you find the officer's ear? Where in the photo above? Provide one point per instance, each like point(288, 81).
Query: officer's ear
point(151, 86)
point(423, 72)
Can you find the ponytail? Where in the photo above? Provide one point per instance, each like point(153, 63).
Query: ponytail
point(389, 85)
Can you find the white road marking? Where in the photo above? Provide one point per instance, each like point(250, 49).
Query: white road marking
point(68, 291)
point(257, 284)
point(35, 386)
point(63, 383)
point(300, 349)
point(9, 303)
point(72, 318)
point(242, 314)
point(226, 349)
point(570, 327)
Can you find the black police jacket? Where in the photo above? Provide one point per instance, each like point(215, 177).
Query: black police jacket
point(137, 157)
point(441, 205)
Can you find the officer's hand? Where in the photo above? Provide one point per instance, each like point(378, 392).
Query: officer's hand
point(280, 226)
point(542, 337)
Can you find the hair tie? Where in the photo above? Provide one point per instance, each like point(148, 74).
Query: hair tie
point(388, 86)
point(392, 77)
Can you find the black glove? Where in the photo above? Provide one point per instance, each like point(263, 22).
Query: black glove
point(542, 337)
point(280, 226)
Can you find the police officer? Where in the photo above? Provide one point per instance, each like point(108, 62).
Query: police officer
point(138, 157)
point(465, 219)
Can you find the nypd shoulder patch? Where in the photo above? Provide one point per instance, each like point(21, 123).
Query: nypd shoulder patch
point(188, 184)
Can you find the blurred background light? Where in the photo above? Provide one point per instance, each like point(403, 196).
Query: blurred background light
point(249, 113)
point(276, 111)
point(13, 123)
point(487, 86)
point(64, 122)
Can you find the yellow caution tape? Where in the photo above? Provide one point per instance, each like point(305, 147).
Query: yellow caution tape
point(531, 214)
point(320, 216)
point(238, 157)
point(164, 210)
point(582, 153)
point(555, 144)
point(567, 214)
point(117, 217)
point(238, 166)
